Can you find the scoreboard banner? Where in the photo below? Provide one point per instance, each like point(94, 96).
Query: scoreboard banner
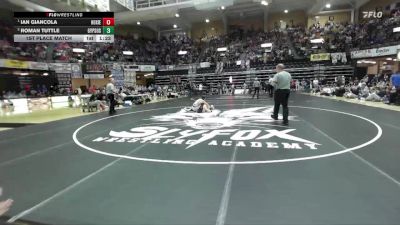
point(108, 66)
point(131, 67)
point(9, 63)
point(76, 70)
point(204, 64)
point(60, 67)
point(129, 78)
point(320, 57)
point(38, 66)
point(118, 75)
point(93, 68)
point(94, 76)
point(64, 27)
point(375, 52)
point(147, 68)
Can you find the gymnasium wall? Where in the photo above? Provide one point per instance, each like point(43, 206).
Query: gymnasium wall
point(247, 23)
point(77, 82)
point(99, 82)
point(6, 15)
point(299, 17)
point(340, 17)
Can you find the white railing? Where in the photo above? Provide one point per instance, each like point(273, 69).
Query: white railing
point(142, 4)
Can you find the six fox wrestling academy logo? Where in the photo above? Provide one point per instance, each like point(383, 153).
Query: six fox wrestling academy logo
point(241, 128)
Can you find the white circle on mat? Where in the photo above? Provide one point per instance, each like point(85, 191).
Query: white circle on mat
point(377, 136)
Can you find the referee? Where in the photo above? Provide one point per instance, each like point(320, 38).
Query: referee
point(281, 81)
point(110, 91)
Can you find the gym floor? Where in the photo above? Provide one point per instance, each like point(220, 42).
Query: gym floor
point(336, 163)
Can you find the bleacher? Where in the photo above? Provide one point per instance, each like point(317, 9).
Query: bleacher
point(299, 70)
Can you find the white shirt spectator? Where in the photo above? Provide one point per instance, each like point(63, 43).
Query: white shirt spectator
point(110, 89)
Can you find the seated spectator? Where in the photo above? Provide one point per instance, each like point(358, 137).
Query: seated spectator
point(94, 101)
point(373, 96)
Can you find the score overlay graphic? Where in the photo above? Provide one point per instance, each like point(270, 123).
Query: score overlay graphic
point(64, 27)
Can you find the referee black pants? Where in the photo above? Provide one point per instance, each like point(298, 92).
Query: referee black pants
point(281, 97)
point(111, 100)
point(270, 90)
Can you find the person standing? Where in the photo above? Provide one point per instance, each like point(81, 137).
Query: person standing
point(201, 88)
point(220, 88)
point(270, 88)
point(281, 81)
point(256, 85)
point(110, 92)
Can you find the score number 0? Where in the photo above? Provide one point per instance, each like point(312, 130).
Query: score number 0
point(108, 21)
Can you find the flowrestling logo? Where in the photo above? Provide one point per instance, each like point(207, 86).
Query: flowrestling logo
point(241, 128)
point(372, 14)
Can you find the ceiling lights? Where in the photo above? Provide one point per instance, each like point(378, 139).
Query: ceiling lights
point(264, 3)
point(78, 50)
point(222, 49)
point(138, 22)
point(207, 20)
point(127, 52)
point(317, 41)
point(328, 5)
point(222, 7)
point(177, 15)
point(175, 26)
point(286, 11)
point(266, 45)
point(182, 52)
point(396, 29)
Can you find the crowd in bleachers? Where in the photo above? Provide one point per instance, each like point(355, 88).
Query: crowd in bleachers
point(243, 45)
point(376, 88)
point(343, 37)
point(23, 51)
point(159, 52)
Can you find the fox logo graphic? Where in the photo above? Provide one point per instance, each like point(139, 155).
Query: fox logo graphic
point(217, 119)
point(205, 127)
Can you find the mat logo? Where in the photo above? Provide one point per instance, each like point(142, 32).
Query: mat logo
point(217, 119)
point(238, 138)
point(210, 128)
